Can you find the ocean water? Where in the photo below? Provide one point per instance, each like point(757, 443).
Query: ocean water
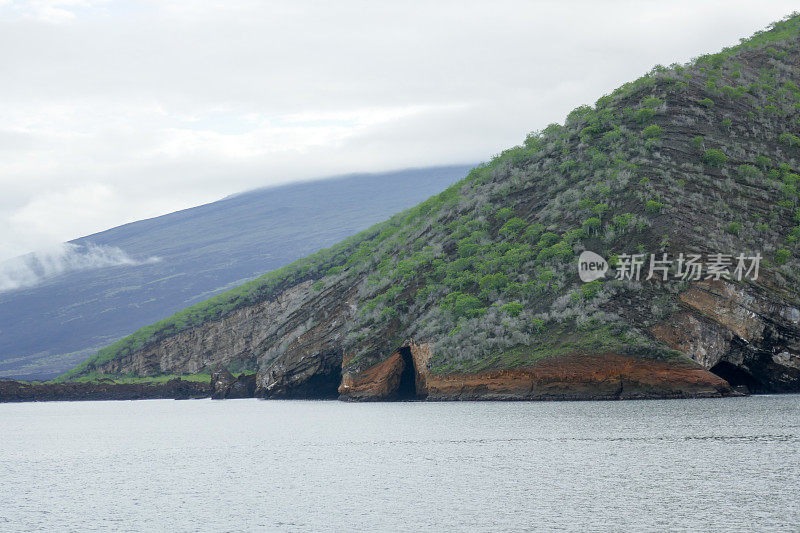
point(164, 465)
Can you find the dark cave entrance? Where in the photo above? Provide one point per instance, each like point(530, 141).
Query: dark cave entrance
point(323, 385)
point(407, 388)
point(737, 377)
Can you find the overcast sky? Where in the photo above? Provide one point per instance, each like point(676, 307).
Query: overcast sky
point(116, 111)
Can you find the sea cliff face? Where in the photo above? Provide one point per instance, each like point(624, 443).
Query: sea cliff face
point(576, 376)
point(742, 333)
point(232, 339)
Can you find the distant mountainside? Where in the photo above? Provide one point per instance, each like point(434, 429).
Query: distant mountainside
point(105, 286)
point(690, 172)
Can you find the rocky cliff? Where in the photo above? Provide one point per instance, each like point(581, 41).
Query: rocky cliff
point(177, 389)
point(475, 293)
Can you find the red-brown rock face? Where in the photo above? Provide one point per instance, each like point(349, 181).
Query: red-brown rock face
point(577, 376)
point(403, 376)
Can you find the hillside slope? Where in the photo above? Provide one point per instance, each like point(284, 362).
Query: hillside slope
point(475, 293)
point(47, 329)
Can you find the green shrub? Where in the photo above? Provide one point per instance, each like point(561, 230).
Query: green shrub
point(504, 214)
point(567, 166)
point(513, 227)
point(579, 114)
point(714, 158)
point(653, 206)
point(782, 256)
point(406, 269)
point(612, 136)
point(318, 285)
point(467, 247)
point(561, 251)
point(494, 282)
point(589, 290)
point(734, 92)
point(652, 132)
point(763, 162)
point(698, 143)
point(599, 159)
point(645, 114)
point(548, 239)
point(533, 232)
point(591, 225)
point(463, 305)
point(512, 309)
point(622, 220)
point(734, 228)
point(789, 139)
point(748, 172)
point(651, 102)
point(706, 102)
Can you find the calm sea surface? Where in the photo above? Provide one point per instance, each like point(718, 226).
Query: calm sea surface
point(165, 465)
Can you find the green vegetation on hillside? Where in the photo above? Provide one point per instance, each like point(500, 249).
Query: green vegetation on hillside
point(94, 377)
point(486, 270)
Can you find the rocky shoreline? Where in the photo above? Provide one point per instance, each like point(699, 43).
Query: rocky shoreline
point(178, 389)
point(222, 385)
point(610, 377)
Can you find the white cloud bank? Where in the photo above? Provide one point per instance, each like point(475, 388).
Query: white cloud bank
point(32, 269)
point(114, 111)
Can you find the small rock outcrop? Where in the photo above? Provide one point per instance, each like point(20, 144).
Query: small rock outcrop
point(225, 385)
point(178, 389)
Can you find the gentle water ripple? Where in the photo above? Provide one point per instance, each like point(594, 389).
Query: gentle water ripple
point(163, 465)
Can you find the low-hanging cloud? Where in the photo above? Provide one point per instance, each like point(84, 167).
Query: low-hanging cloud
point(34, 268)
point(112, 112)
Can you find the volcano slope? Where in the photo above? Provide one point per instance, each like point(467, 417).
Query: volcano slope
point(474, 294)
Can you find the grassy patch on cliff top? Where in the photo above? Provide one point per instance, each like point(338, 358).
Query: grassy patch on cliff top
point(94, 377)
point(559, 341)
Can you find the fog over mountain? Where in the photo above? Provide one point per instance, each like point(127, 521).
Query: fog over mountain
point(60, 305)
point(32, 269)
point(114, 111)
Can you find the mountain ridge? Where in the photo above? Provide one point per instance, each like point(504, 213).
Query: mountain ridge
point(473, 294)
point(48, 328)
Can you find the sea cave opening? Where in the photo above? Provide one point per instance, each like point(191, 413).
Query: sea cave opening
point(407, 388)
point(737, 377)
point(323, 385)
